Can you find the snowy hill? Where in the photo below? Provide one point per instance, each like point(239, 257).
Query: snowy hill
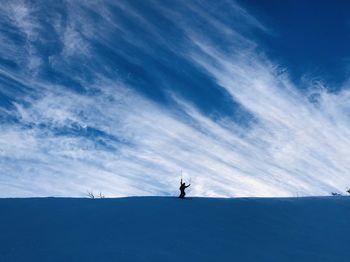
point(169, 229)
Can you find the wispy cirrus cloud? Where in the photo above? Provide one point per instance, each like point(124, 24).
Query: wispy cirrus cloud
point(87, 120)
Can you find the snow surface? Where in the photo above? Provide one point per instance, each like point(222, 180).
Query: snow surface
point(170, 229)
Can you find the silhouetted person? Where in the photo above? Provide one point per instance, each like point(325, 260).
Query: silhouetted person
point(182, 189)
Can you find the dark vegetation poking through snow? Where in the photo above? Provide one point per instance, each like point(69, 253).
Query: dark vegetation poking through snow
point(170, 229)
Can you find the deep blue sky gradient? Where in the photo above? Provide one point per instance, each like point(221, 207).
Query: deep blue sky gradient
point(310, 38)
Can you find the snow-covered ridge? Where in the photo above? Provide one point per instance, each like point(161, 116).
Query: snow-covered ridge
point(170, 229)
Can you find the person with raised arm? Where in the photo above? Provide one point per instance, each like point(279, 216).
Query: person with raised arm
point(182, 188)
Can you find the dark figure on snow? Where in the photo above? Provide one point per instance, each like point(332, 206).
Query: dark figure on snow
point(182, 189)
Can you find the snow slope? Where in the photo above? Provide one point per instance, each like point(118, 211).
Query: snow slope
point(169, 229)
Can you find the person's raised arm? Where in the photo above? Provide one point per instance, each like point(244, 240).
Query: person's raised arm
point(188, 185)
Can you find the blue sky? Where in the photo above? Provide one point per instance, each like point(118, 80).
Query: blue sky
point(247, 98)
point(310, 38)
